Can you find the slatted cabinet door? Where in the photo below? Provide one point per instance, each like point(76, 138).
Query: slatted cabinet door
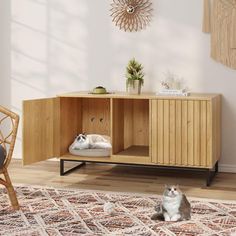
point(182, 132)
point(40, 129)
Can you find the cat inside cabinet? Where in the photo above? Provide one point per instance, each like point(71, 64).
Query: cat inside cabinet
point(83, 116)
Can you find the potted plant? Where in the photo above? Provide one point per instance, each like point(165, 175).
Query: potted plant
point(134, 77)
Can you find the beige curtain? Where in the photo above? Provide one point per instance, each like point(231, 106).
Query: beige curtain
point(220, 21)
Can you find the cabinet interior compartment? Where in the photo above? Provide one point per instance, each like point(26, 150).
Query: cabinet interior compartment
point(82, 115)
point(130, 127)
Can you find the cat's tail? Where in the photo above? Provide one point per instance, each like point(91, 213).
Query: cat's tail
point(158, 216)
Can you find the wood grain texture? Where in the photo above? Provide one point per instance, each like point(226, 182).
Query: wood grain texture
point(121, 95)
point(154, 130)
point(150, 130)
point(223, 26)
point(186, 132)
point(233, 30)
point(160, 131)
point(128, 123)
point(166, 137)
point(123, 179)
point(141, 122)
point(70, 122)
point(197, 133)
point(190, 133)
point(216, 129)
point(133, 116)
point(96, 116)
point(117, 125)
point(178, 132)
point(171, 132)
point(206, 26)
point(38, 129)
point(203, 133)
point(209, 137)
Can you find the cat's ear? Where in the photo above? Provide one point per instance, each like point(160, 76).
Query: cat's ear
point(166, 186)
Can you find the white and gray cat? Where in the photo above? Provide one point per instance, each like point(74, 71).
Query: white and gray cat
point(85, 141)
point(174, 207)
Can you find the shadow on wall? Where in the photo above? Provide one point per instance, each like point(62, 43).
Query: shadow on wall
point(59, 46)
point(55, 48)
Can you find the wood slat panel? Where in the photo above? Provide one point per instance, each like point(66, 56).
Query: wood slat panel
point(197, 137)
point(160, 138)
point(128, 123)
point(154, 130)
point(172, 132)
point(178, 132)
point(214, 131)
point(203, 133)
point(140, 122)
point(71, 121)
point(209, 134)
point(150, 130)
point(184, 133)
point(166, 132)
point(190, 133)
point(118, 125)
point(217, 117)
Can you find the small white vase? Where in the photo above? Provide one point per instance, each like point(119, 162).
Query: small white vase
point(134, 88)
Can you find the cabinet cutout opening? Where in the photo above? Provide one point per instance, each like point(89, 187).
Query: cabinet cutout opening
point(130, 132)
point(83, 115)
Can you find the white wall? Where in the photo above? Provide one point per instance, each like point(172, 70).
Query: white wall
point(59, 46)
point(5, 49)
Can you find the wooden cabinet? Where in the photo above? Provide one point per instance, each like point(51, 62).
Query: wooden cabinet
point(144, 129)
point(186, 132)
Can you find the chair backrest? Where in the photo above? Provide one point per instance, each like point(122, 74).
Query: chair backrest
point(8, 138)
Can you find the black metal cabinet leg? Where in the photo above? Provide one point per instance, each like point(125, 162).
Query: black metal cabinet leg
point(62, 167)
point(211, 174)
point(209, 177)
point(216, 167)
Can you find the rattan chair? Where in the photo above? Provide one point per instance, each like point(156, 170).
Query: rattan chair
point(7, 142)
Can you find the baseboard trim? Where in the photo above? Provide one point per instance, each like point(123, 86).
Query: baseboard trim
point(227, 168)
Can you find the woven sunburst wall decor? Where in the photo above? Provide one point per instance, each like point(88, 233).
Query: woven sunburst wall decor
point(131, 15)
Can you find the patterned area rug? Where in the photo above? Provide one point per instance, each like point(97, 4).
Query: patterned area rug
point(50, 211)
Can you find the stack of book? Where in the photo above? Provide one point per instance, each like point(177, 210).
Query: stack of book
point(173, 92)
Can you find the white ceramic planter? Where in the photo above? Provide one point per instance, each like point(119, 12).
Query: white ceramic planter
point(134, 88)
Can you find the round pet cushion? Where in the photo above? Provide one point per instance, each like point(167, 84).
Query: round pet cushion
point(100, 146)
point(96, 152)
point(2, 156)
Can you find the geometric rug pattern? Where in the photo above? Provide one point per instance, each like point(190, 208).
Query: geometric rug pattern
point(70, 212)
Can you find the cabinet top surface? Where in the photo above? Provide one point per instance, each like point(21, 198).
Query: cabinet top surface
point(195, 96)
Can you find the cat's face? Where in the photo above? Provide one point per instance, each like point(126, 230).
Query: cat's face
point(172, 190)
point(81, 138)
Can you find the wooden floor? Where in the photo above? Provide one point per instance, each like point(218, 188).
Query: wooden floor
point(124, 179)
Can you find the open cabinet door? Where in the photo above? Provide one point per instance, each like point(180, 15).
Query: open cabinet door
point(41, 119)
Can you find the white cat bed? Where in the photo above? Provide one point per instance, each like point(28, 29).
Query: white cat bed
point(98, 152)
point(92, 145)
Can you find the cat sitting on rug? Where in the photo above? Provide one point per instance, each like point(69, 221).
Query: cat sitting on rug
point(85, 141)
point(174, 206)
